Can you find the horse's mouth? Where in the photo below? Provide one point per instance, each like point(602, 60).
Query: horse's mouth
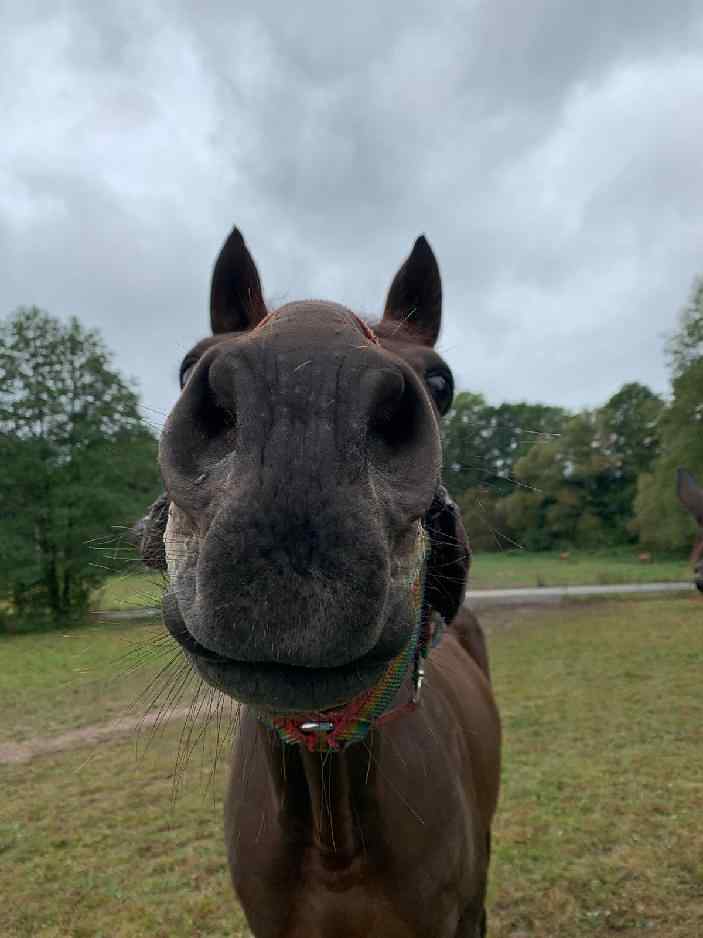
point(277, 688)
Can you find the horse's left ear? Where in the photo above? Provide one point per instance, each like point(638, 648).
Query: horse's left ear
point(415, 297)
point(690, 493)
point(449, 558)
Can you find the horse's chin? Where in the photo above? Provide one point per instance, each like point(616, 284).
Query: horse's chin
point(273, 687)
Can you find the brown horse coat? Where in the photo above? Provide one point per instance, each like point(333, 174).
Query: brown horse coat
point(388, 839)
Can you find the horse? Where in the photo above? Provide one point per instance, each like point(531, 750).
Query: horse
point(317, 570)
point(691, 497)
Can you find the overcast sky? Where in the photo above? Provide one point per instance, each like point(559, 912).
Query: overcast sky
point(552, 153)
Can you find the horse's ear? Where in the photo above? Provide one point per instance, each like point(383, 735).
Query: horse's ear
point(236, 301)
point(149, 534)
point(415, 296)
point(449, 557)
point(690, 493)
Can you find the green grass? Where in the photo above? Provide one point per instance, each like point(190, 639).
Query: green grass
point(598, 829)
point(56, 681)
point(515, 568)
point(97, 849)
point(130, 591)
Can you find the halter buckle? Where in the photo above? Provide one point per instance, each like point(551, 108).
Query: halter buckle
point(322, 726)
point(419, 678)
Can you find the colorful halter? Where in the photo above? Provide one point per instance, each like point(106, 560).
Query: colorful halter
point(333, 730)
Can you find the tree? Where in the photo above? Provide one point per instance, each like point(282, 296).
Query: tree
point(629, 424)
point(465, 431)
point(686, 345)
point(482, 443)
point(660, 521)
point(77, 459)
point(629, 436)
point(570, 490)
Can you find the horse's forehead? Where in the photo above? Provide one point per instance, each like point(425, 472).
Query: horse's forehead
point(322, 309)
point(315, 318)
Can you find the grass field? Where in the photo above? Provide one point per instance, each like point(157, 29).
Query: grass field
point(56, 681)
point(598, 830)
point(502, 570)
point(515, 568)
point(130, 591)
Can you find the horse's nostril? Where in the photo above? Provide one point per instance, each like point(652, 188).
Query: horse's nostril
point(386, 394)
point(393, 409)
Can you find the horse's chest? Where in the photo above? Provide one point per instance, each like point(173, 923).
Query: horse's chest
point(355, 913)
point(309, 899)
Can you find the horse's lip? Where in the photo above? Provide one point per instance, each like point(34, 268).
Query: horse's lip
point(244, 681)
point(179, 631)
point(196, 650)
point(364, 670)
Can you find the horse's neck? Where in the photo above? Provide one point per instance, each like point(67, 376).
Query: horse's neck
point(324, 798)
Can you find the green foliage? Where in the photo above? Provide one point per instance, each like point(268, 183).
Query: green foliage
point(660, 520)
point(77, 459)
point(686, 345)
point(578, 489)
point(483, 513)
point(629, 426)
point(482, 443)
point(533, 475)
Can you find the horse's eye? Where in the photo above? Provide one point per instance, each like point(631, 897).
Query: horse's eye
point(186, 371)
point(441, 388)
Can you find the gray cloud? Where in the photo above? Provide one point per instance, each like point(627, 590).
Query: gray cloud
point(552, 155)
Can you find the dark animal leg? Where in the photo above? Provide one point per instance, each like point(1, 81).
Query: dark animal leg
point(472, 924)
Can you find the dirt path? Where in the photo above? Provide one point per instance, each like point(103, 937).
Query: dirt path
point(538, 595)
point(14, 753)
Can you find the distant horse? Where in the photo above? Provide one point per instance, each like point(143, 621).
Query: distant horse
point(691, 497)
point(314, 559)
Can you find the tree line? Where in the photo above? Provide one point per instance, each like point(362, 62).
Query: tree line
point(542, 478)
point(79, 465)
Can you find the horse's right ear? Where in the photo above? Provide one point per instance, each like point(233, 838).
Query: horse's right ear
point(415, 297)
point(236, 300)
point(690, 493)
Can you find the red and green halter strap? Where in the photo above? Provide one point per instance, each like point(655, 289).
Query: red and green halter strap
point(333, 730)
